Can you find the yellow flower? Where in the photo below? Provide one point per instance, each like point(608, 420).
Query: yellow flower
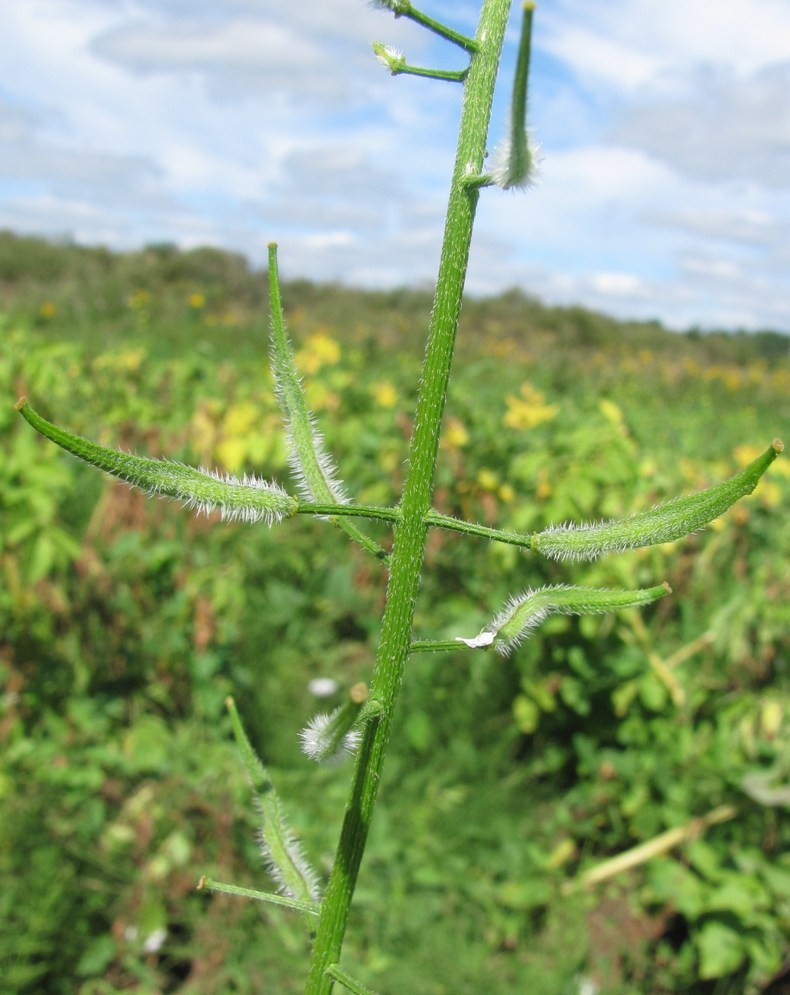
point(240, 418)
point(128, 361)
point(319, 350)
point(241, 437)
point(529, 410)
point(488, 480)
point(139, 300)
point(507, 493)
point(47, 310)
point(611, 411)
point(384, 394)
point(197, 301)
point(544, 489)
point(455, 435)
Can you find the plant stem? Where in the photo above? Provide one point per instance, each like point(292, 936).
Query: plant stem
point(410, 532)
point(448, 75)
point(385, 514)
point(209, 884)
point(349, 510)
point(442, 30)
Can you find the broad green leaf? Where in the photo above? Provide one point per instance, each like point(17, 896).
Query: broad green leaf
point(720, 950)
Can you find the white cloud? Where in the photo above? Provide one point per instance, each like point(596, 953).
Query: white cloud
point(664, 186)
point(650, 42)
point(619, 285)
point(727, 127)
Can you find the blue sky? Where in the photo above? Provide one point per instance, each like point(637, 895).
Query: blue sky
point(664, 187)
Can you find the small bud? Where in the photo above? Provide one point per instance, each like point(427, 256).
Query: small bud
point(389, 57)
point(485, 638)
point(329, 739)
point(398, 7)
point(323, 687)
point(526, 611)
point(359, 693)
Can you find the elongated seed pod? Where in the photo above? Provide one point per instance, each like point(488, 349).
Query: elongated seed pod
point(513, 161)
point(666, 522)
point(248, 499)
point(311, 465)
point(285, 859)
point(524, 612)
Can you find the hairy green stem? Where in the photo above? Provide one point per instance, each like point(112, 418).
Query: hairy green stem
point(351, 984)
point(410, 532)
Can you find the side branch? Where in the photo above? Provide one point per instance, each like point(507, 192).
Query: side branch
point(404, 8)
point(395, 61)
point(381, 514)
point(472, 529)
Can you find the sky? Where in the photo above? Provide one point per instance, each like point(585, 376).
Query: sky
point(664, 127)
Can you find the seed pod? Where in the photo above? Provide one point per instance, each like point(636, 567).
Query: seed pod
point(666, 522)
point(311, 465)
point(248, 499)
point(514, 159)
point(526, 611)
point(285, 859)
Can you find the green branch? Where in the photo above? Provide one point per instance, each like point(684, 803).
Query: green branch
point(350, 984)
point(395, 61)
point(403, 8)
point(472, 529)
point(209, 884)
point(382, 514)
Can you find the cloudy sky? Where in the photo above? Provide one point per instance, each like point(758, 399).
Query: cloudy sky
point(664, 126)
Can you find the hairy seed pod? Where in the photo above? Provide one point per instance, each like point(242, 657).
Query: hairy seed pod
point(524, 612)
point(666, 522)
point(248, 499)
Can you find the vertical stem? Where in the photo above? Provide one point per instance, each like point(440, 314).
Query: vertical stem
point(409, 535)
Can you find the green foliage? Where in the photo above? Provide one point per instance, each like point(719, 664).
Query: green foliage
point(125, 624)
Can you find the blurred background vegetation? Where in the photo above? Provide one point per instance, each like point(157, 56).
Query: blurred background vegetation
point(124, 623)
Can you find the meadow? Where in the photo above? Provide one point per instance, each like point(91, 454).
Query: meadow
point(125, 623)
